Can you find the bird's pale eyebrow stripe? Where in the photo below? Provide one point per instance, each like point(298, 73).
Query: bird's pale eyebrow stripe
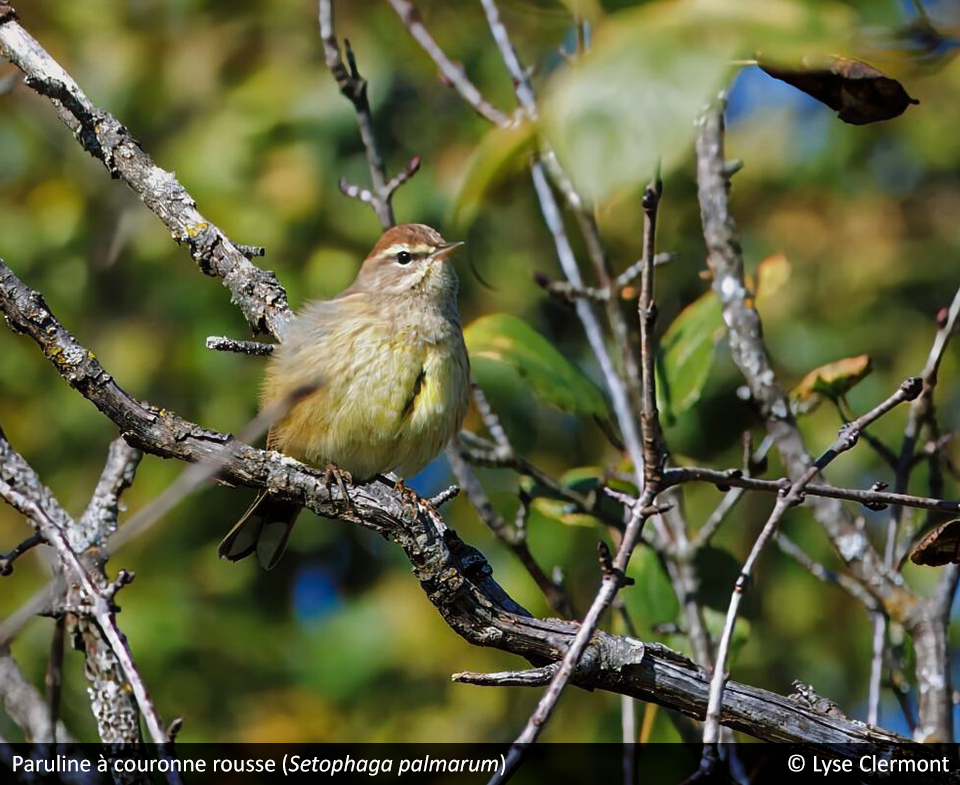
point(416, 250)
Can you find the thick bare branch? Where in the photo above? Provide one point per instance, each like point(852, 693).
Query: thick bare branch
point(455, 576)
point(789, 497)
point(25, 705)
point(110, 665)
point(256, 292)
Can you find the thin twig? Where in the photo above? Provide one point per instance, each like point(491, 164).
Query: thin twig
point(222, 343)
point(492, 422)
point(532, 677)
point(480, 452)
point(451, 73)
point(734, 478)
point(514, 537)
point(521, 79)
point(922, 413)
point(446, 495)
point(845, 582)
point(7, 560)
point(53, 681)
point(354, 87)
point(567, 292)
point(787, 498)
point(591, 324)
point(615, 573)
point(877, 645)
point(710, 526)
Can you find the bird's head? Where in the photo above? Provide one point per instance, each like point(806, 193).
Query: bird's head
point(410, 259)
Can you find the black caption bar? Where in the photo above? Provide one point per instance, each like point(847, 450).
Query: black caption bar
point(203, 764)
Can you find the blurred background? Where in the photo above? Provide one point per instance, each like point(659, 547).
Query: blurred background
point(339, 643)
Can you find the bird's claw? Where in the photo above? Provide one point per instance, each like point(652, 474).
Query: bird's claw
point(408, 494)
point(342, 478)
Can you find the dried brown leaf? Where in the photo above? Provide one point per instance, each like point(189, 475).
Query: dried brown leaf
point(939, 547)
point(856, 90)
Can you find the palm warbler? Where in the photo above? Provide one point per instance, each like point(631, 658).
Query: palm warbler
point(389, 375)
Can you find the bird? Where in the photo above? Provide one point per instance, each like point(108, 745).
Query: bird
point(375, 380)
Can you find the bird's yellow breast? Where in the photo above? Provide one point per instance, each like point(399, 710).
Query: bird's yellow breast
point(388, 399)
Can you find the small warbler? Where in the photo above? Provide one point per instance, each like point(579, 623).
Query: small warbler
point(385, 372)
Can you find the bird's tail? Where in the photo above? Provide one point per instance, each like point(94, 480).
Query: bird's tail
point(264, 528)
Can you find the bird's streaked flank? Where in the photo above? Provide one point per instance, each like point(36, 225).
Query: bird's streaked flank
point(388, 372)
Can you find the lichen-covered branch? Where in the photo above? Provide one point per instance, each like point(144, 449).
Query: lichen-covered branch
point(256, 292)
point(725, 261)
point(116, 688)
point(791, 496)
point(24, 704)
point(455, 577)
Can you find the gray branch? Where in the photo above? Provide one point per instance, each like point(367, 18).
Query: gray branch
point(725, 260)
point(791, 496)
point(256, 292)
point(222, 343)
point(354, 87)
point(25, 705)
point(116, 687)
point(456, 577)
point(99, 520)
point(452, 73)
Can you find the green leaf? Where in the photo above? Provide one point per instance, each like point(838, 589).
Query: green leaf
point(717, 571)
point(831, 381)
point(583, 480)
point(714, 622)
point(633, 99)
point(652, 599)
point(501, 152)
point(686, 355)
point(550, 376)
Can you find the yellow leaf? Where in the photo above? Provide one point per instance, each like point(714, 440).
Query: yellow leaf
point(772, 273)
point(832, 381)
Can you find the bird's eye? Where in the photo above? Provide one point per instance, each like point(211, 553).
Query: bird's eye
point(404, 257)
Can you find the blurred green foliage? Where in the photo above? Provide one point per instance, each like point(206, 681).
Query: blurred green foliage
point(339, 643)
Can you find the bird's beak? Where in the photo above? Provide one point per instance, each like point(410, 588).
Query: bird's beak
point(445, 250)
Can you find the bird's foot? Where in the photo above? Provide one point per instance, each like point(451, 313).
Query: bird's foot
point(407, 494)
point(333, 474)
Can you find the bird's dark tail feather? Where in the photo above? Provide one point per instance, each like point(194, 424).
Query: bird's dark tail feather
point(264, 529)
